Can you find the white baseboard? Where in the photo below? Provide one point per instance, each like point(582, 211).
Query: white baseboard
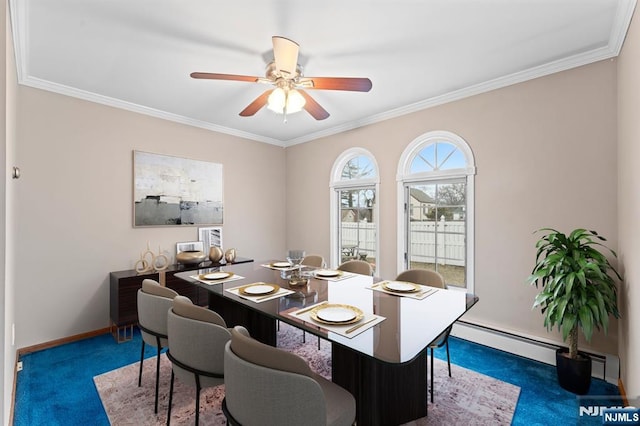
point(604, 366)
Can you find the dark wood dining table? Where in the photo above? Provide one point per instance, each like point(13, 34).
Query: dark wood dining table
point(384, 367)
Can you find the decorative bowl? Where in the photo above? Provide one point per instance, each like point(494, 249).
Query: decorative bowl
point(190, 257)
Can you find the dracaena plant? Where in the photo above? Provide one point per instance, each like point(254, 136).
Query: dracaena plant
point(578, 289)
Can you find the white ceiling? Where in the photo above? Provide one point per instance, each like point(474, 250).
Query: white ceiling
point(138, 54)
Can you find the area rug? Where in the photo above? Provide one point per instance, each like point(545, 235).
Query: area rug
point(466, 398)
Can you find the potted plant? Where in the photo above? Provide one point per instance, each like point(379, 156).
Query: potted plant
point(578, 292)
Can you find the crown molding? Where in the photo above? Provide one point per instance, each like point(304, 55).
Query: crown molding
point(129, 106)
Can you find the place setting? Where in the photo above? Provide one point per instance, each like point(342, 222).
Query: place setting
point(260, 291)
point(280, 266)
point(330, 274)
point(342, 319)
point(404, 289)
point(216, 277)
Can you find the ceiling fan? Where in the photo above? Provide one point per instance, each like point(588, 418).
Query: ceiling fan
point(285, 74)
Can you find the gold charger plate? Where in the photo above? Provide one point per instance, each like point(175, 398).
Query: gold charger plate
point(357, 314)
point(280, 265)
point(401, 287)
point(258, 289)
point(213, 276)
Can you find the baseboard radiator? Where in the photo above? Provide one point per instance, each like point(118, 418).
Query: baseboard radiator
point(604, 366)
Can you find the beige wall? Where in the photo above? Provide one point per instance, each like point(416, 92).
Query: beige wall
point(545, 154)
point(629, 205)
point(74, 205)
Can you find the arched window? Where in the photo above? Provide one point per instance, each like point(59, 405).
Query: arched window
point(354, 207)
point(436, 206)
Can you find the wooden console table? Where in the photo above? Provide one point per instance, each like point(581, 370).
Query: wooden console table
point(123, 290)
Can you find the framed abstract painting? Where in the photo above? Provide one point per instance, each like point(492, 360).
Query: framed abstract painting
point(174, 191)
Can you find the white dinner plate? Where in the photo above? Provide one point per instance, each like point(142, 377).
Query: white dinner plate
point(336, 314)
point(401, 286)
point(327, 273)
point(259, 289)
point(216, 275)
point(281, 264)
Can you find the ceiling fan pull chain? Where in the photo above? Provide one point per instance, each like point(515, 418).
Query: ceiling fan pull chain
point(284, 108)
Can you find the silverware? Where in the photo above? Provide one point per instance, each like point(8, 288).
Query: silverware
point(355, 327)
point(430, 292)
point(267, 296)
point(310, 308)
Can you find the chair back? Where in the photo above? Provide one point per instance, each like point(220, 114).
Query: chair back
point(314, 260)
point(264, 393)
point(357, 267)
point(196, 341)
point(429, 278)
point(154, 301)
point(422, 276)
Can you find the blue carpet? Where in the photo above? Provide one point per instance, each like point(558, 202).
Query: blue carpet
point(56, 386)
point(542, 401)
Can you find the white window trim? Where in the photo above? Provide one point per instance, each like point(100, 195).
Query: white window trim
point(336, 183)
point(405, 176)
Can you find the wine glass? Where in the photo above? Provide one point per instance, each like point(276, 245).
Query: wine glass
point(295, 258)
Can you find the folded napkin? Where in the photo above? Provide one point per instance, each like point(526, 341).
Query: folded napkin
point(423, 293)
point(211, 282)
point(260, 297)
point(346, 330)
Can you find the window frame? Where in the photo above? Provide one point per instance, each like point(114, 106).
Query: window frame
point(404, 177)
point(336, 184)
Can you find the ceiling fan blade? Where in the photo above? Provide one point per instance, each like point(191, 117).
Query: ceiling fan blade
point(313, 107)
point(214, 76)
point(285, 55)
point(353, 84)
point(255, 106)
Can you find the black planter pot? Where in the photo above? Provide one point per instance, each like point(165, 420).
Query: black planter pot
point(574, 375)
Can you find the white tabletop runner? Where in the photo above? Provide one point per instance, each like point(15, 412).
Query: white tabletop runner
point(348, 330)
point(423, 293)
point(211, 282)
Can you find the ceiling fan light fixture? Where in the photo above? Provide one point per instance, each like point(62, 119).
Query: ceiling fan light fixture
point(280, 98)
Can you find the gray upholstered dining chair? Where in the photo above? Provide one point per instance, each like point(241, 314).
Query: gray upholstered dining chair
point(197, 337)
point(432, 279)
point(153, 303)
point(361, 267)
point(269, 386)
point(314, 260)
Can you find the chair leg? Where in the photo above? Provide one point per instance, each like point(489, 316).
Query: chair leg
point(432, 375)
point(197, 399)
point(318, 342)
point(170, 398)
point(448, 359)
point(304, 337)
point(157, 379)
point(141, 361)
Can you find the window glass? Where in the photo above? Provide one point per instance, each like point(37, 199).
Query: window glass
point(360, 167)
point(436, 173)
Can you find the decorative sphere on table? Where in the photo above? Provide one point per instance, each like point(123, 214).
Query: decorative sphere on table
point(230, 255)
point(215, 254)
